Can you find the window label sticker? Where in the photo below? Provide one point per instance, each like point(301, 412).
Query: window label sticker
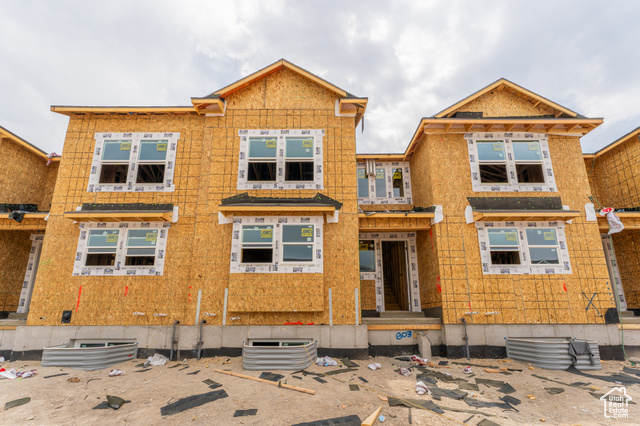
point(550, 236)
point(161, 147)
point(397, 175)
point(151, 236)
point(266, 233)
point(125, 146)
point(511, 236)
point(364, 247)
point(307, 143)
point(533, 146)
point(307, 232)
point(271, 143)
point(497, 147)
point(112, 238)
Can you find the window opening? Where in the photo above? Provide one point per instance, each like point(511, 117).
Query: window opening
point(492, 162)
point(115, 161)
point(297, 243)
point(381, 183)
point(504, 246)
point(257, 244)
point(152, 161)
point(141, 247)
point(363, 184)
point(299, 159)
point(262, 159)
point(543, 246)
point(102, 246)
point(528, 162)
point(367, 256)
point(398, 189)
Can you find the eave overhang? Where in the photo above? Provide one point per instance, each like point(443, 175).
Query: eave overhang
point(123, 110)
point(126, 212)
point(524, 215)
point(630, 220)
point(28, 222)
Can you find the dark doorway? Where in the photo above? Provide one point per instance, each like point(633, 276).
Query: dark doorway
point(394, 275)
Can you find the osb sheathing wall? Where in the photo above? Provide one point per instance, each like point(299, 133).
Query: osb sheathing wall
point(198, 248)
point(440, 171)
point(14, 256)
point(614, 177)
point(25, 177)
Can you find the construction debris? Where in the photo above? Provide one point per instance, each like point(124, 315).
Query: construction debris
point(191, 402)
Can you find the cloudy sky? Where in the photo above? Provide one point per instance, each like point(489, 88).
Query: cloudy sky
point(411, 58)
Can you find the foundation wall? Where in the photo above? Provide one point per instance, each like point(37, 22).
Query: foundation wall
point(198, 248)
point(15, 247)
point(512, 299)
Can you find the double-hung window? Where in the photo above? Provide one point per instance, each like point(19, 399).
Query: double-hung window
point(523, 248)
point(277, 244)
point(121, 248)
point(257, 244)
point(510, 162)
point(140, 162)
point(280, 159)
point(390, 184)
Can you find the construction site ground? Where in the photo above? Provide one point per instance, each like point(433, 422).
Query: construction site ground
point(70, 396)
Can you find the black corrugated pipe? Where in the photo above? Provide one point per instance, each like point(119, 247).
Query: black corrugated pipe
point(173, 339)
point(200, 339)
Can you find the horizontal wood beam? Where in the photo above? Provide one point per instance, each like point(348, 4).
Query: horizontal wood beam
point(404, 327)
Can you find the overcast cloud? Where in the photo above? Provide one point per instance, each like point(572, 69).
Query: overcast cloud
point(411, 58)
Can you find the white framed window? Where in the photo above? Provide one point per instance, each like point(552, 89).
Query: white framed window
point(278, 244)
point(523, 248)
point(133, 162)
point(510, 162)
point(121, 248)
point(391, 183)
point(280, 159)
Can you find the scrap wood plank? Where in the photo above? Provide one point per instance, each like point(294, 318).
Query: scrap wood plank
point(372, 418)
point(281, 385)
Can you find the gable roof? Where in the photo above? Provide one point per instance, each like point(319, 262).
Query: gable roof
point(30, 147)
point(270, 69)
point(619, 141)
point(503, 83)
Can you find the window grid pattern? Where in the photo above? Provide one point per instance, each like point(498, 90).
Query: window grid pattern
point(506, 142)
point(277, 224)
point(526, 266)
point(154, 237)
point(392, 186)
point(280, 136)
point(138, 146)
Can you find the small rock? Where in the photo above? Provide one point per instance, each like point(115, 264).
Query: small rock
point(30, 418)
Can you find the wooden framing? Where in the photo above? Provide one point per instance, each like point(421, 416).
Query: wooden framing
point(30, 222)
point(71, 110)
point(120, 216)
point(372, 327)
point(524, 216)
point(204, 106)
point(385, 215)
point(630, 220)
point(504, 84)
point(272, 209)
point(379, 157)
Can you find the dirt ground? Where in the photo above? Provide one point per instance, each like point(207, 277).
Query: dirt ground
point(56, 400)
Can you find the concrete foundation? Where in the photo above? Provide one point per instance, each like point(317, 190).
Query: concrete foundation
point(485, 341)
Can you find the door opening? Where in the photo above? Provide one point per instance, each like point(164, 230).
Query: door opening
point(395, 276)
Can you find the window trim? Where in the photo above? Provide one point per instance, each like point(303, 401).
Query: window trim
point(388, 166)
point(130, 185)
point(120, 268)
point(525, 266)
point(513, 185)
point(278, 265)
point(281, 159)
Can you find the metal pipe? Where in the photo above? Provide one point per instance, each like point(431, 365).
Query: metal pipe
point(357, 305)
point(466, 339)
point(198, 307)
point(199, 347)
point(330, 309)
point(224, 313)
point(173, 339)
